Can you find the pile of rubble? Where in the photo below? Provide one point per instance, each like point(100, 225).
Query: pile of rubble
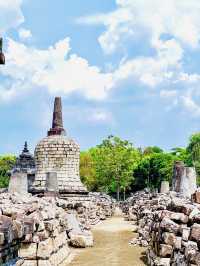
point(101, 207)
point(168, 224)
point(39, 231)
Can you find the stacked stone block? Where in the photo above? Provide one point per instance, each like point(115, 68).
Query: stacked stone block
point(58, 154)
point(39, 231)
point(169, 225)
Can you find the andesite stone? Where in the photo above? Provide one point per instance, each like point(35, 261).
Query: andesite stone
point(164, 188)
point(58, 155)
point(22, 174)
point(184, 179)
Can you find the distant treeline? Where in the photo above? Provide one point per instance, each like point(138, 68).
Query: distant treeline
point(116, 166)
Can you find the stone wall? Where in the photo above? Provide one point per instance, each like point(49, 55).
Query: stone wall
point(40, 231)
point(169, 225)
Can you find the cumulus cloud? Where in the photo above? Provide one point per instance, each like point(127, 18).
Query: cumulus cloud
point(191, 106)
point(55, 69)
point(11, 14)
point(152, 71)
point(171, 28)
point(177, 18)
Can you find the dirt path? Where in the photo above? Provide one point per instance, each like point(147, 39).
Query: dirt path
point(111, 246)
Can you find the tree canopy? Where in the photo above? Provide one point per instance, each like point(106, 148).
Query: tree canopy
point(6, 164)
point(117, 166)
point(194, 150)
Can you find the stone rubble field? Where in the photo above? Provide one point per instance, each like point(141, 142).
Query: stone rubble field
point(41, 231)
point(168, 224)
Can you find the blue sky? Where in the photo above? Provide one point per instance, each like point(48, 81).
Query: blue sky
point(124, 67)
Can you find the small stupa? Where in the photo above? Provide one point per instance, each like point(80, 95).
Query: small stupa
point(23, 173)
point(57, 160)
point(25, 161)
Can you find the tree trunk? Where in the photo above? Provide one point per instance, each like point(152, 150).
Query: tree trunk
point(118, 192)
point(118, 188)
point(124, 193)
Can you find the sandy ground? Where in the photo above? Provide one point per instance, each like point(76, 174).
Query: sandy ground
point(111, 246)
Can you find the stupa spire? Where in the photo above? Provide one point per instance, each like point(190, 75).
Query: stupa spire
point(57, 123)
point(25, 147)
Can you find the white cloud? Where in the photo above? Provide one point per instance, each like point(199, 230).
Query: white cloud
point(152, 71)
point(177, 18)
point(60, 71)
point(171, 28)
point(11, 14)
point(55, 69)
point(191, 105)
point(24, 34)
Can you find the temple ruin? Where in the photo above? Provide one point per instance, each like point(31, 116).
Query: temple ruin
point(184, 179)
point(57, 161)
point(23, 173)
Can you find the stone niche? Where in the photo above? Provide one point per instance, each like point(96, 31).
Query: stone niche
point(57, 160)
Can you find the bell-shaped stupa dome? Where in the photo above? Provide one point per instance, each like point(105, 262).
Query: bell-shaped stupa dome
point(57, 159)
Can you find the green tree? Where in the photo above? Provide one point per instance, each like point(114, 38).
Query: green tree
point(194, 149)
point(152, 169)
point(161, 168)
point(182, 154)
point(152, 149)
point(6, 164)
point(87, 171)
point(114, 161)
point(141, 174)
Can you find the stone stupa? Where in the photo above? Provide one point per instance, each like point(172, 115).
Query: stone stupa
point(57, 160)
point(23, 173)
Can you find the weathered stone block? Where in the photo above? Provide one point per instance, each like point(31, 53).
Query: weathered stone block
point(28, 251)
point(30, 263)
point(164, 262)
point(184, 179)
point(164, 187)
point(195, 232)
point(191, 249)
point(185, 233)
point(45, 263)
point(169, 226)
point(18, 183)
point(196, 197)
point(45, 249)
point(165, 250)
point(169, 238)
